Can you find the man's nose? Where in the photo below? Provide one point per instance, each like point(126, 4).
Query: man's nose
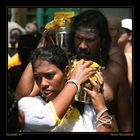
point(83, 45)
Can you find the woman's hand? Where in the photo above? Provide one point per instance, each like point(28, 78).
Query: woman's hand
point(83, 71)
point(96, 93)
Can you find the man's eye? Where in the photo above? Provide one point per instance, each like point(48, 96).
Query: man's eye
point(78, 37)
point(91, 39)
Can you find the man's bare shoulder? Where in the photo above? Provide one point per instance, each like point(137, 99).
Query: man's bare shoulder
point(115, 68)
point(115, 49)
point(118, 57)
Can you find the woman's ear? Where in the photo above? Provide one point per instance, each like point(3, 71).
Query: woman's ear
point(67, 72)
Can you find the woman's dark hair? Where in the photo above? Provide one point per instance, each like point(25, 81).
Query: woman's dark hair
point(51, 53)
point(92, 19)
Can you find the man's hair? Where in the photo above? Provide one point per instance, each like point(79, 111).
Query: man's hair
point(92, 19)
point(51, 53)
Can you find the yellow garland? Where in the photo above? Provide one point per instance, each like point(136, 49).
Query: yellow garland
point(60, 19)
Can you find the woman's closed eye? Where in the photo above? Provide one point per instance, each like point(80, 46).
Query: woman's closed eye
point(49, 75)
point(37, 77)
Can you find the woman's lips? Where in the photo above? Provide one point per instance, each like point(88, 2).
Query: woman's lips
point(48, 92)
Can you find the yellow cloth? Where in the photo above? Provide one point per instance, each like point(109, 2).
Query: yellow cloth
point(70, 122)
point(14, 61)
point(71, 114)
point(54, 112)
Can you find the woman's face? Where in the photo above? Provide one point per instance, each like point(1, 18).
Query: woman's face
point(49, 78)
point(88, 43)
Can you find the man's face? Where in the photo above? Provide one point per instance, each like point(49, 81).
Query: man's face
point(87, 43)
point(49, 78)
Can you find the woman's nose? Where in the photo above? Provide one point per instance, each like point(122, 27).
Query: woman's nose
point(44, 82)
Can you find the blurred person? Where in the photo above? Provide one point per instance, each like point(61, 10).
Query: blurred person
point(13, 24)
point(14, 62)
point(13, 56)
point(53, 109)
point(125, 41)
point(15, 33)
point(116, 52)
point(28, 42)
point(15, 118)
point(12, 125)
point(31, 28)
point(114, 24)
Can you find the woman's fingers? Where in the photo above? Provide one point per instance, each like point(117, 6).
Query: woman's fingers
point(87, 90)
point(99, 77)
point(81, 61)
point(97, 85)
point(87, 63)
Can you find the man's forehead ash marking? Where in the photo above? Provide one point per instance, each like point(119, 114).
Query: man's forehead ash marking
point(88, 31)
